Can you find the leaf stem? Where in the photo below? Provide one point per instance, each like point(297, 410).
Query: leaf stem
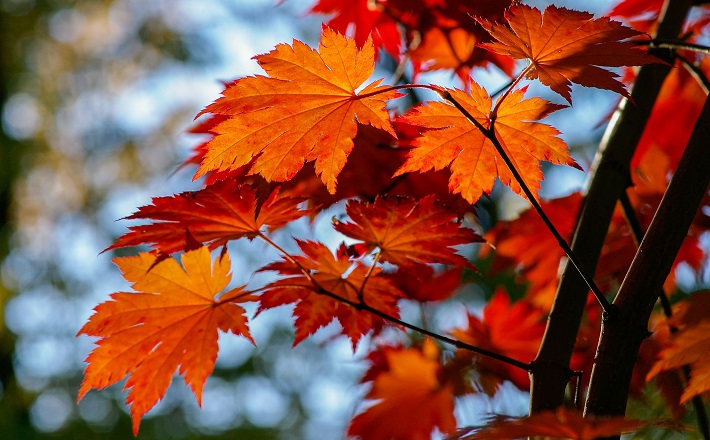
point(361, 290)
point(399, 87)
point(507, 92)
point(490, 134)
point(455, 342)
point(289, 258)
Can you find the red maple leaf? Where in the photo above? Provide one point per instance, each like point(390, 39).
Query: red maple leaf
point(514, 330)
point(318, 281)
point(566, 46)
point(688, 345)
point(526, 245)
point(366, 18)
point(170, 324)
point(214, 215)
point(562, 423)
point(407, 231)
point(446, 35)
point(420, 282)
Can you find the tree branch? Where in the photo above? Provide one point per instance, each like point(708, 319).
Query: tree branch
point(638, 234)
point(620, 338)
point(610, 178)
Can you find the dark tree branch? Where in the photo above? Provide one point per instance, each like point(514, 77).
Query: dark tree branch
point(638, 234)
point(621, 338)
point(610, 178)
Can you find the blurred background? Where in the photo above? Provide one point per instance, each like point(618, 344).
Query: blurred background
point(97, 97)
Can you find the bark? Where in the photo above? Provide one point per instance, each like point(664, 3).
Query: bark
point(623, 332)
point(550, 371)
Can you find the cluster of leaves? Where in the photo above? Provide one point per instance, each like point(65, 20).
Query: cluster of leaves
point(316, 131)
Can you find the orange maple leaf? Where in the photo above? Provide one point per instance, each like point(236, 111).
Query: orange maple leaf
point(566, 46)
point(214, 215)
point(408, 231)
point(412, 399)
point(562, 423)
point(170, 323)
point(689, 345)
point(306, 110)
point(316, 294)
point(451, 140)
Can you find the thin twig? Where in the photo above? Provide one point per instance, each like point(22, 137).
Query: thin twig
point(677, 45)
point(289, 258)
point(362, 306)
point(637, 235)
point(490, 134)
point(455, 342)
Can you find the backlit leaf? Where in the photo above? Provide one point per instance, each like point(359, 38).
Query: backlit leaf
point(407, 231)
point(169, 324)
point(567, 46)
point(339, 277)
point(411, 398)
point(307, 109)
point(214, 215)
point(560, 424)
point(450, 140)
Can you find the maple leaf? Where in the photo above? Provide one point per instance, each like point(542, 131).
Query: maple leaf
point(526, 244)
point(562, 423)
point(566, 46)
point(170, 323)
point(375, 150)
point(316, 294)
point(365, 18)
point(419, 282)
point(689, 345)
point(214, 215)
point(450, 140)
point(672, 118)
point(445, 34)
point(411, 398)
point(407, 231)
point(306, 110)
point(514, 330)
point(669, 383)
